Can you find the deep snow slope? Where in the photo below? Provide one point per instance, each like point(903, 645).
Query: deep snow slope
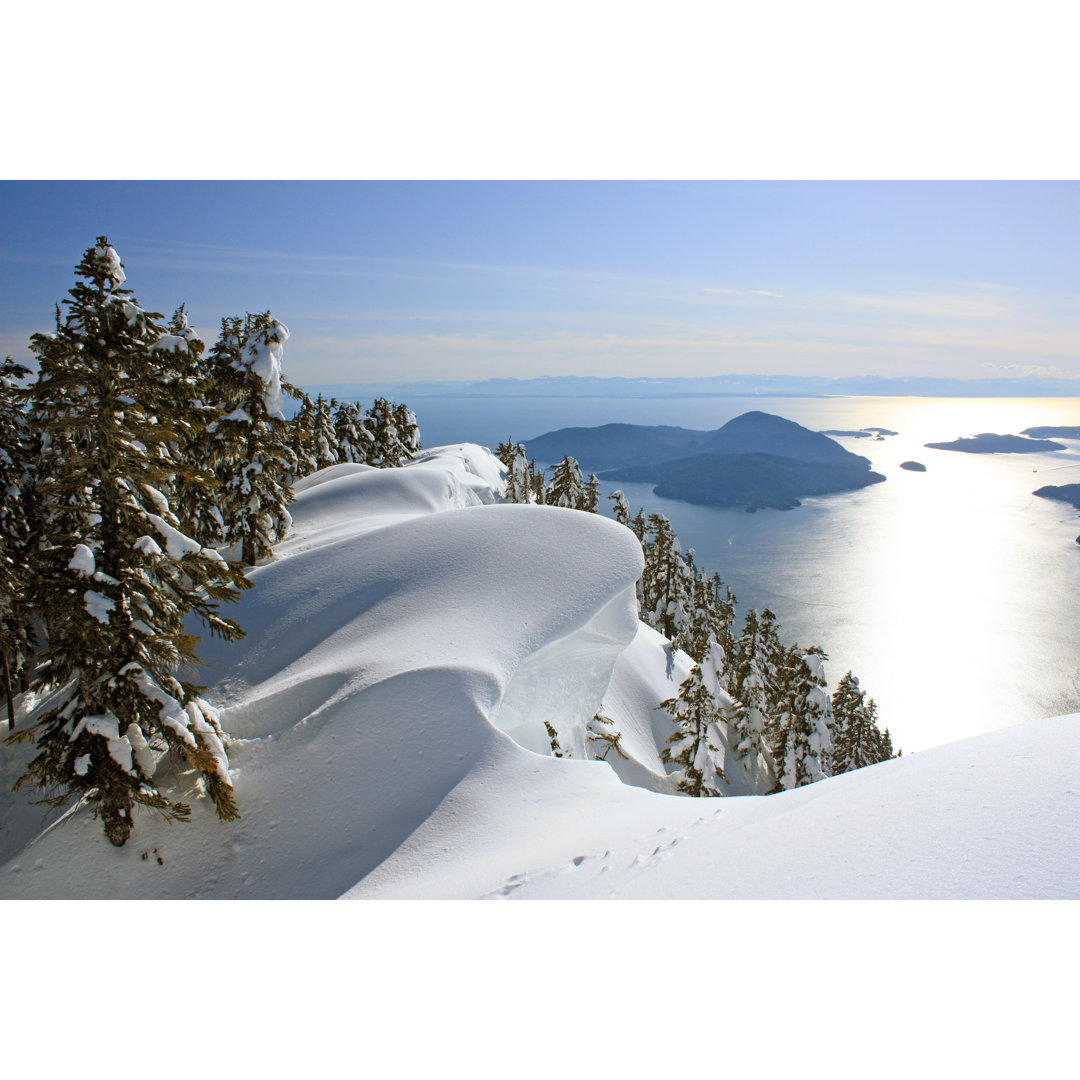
point(406, 648)
point(994, 817)
point(382, 645)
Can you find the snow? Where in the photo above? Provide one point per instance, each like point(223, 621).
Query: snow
point(386, 713)
point(83, 561)
point(176, 543)
point(107, 254)
point(263, 355)
point(99, 605)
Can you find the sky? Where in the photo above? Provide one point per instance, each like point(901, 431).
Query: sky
point(410, 280)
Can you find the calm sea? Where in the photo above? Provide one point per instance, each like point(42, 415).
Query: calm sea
point(953, 594)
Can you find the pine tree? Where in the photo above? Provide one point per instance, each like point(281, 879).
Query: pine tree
point(394, 432)
point(255, 461)
point(590, 499)
point(190, 386)
point(751, 681)
point(326, 450)
point(601, 737)
point(857, 740)
point(566, 488)
point(300, 439)
point(17, 638)
point(696, 745)
point(408, 432)
point(799, 734)
point(666, 582)
point(621, 509)
point(521, 474)
point(353, 438)
point(114, 577)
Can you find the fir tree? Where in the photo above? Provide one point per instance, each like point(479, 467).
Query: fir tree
point(799, 732)
point(190, 385)
point(325, 447)
point(408, 433)
point(256, 462)
point(300, 439)
point(751, 681)
point(395, 436)
point(621, 509)
point(590, 499)
point(353, 438)
point(114, 577)
point(857, 740)
point(666, 582)
point(601, 737)
point(17, 638)
point(521, 474)
point(566, 488)
point(695, 746)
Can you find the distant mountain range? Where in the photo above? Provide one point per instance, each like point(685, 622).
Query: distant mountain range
point(707, 386)
point(756, 460)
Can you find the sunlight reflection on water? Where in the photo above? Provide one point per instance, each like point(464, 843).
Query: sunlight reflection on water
point(952, 594)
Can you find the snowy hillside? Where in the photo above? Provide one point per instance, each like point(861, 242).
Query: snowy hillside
point(407, 650)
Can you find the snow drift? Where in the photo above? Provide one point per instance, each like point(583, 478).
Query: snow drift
point(406, 649)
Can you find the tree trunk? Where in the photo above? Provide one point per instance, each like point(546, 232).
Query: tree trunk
point(8, 694)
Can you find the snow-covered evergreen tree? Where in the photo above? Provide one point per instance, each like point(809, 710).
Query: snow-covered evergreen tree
point(115, 577)
point(800, 729)
point(17, 455)
point(524, 484)
point(408, 430)
point(696, 745)
point(353, 438)
point(326, 449)
point(666, 582)
point(590, 499)
point(567, 488)
point(300, 439)
point(395, 436)
point(857, 739)
point(189, 383)
point(751, 680)
point(255, 461)
point(621, 509)
point(601, 737)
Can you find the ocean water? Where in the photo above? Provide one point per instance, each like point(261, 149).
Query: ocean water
point(953, 594)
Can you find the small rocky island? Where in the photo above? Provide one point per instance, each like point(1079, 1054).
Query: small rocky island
point(913, 466)
point(989, 443)
point(755, 461)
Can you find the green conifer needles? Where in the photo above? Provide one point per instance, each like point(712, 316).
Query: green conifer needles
point(115, 577)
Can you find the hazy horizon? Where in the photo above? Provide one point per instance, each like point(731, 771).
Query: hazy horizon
point(470, 280)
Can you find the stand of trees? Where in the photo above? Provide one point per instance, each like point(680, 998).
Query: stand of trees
point(770, 699)
point(140, 480)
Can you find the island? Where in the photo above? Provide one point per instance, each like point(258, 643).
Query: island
point(755, 461)
point(877, 433)
point(989, 443)
point(1052, 432)
point(913, 466)
point(1068, 493)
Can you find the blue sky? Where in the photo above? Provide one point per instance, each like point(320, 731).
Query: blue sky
point(430, 279)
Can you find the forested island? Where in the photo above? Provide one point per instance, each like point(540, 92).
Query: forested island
point(990, 443)
point(756, 460)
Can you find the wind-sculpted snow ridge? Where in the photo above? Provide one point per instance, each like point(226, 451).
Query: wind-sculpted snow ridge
point(403, 624)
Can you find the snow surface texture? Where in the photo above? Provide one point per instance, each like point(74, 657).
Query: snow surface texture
point(387, 708)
